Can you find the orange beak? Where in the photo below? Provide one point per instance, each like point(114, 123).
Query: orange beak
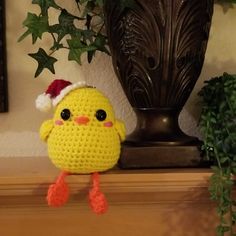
point(82, 120)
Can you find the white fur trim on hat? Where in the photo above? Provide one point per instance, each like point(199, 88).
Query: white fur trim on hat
point(66, 90)
point(43, 102)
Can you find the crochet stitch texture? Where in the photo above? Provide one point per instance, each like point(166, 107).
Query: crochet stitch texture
point(79, 141)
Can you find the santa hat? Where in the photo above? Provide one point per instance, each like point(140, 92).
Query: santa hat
point(56, 91)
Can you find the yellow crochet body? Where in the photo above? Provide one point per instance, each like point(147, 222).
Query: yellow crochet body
point(83, 148)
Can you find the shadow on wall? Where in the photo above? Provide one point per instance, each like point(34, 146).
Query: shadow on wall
point(195, 215)
point(226, 6)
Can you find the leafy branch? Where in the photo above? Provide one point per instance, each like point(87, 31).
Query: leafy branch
point(218, 125)
point(88, 37)
point(65, 34)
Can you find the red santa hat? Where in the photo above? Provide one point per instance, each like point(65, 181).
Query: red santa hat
point(56, 91)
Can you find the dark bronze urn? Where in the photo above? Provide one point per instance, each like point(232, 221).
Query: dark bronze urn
point(158, 49)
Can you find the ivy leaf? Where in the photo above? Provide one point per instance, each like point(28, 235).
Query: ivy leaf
point(59, 30)
point(77, 48)
point(87, 35)
point(66, 22)
point(100, 43)
point(37, 25)
point(89, 7)
point(90, 56)
point(45, 4)
point(44, 61)
point(62, 32)
point(24, 35)
point(66, 18)
point(65, 26)
point(56, 46)
point(88, 21)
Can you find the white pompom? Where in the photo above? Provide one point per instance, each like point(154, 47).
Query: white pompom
point(43, 102)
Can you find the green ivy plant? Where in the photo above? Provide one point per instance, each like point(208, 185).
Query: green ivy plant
point(218, 126)
point(88, 37)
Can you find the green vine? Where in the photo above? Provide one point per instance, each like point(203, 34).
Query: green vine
point(87, 36)
point(218, 126)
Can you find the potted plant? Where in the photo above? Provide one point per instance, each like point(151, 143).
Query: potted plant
point(218, 126)
point(158, 50)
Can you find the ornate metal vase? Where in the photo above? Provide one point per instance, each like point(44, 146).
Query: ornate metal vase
point(158, 49)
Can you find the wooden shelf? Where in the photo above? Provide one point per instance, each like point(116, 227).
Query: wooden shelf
point(30, 177)
point(134, 196)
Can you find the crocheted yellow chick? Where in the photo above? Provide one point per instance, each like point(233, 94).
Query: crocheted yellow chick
point(83, 137)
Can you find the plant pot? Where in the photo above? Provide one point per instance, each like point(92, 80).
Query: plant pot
point(158, 49)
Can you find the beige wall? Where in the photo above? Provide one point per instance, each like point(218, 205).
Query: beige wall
point(19, 127)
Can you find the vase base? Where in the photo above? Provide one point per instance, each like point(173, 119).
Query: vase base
point(136, 157)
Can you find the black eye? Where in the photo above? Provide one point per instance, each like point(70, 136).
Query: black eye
point(65, 114)
point(101, 115)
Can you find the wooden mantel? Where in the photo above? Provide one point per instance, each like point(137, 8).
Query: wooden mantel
point(162, 202)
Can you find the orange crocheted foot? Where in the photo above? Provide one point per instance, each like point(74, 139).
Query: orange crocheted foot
point(58, 193)
point(97, 199)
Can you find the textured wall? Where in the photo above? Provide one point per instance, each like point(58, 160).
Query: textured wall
point(19, 127)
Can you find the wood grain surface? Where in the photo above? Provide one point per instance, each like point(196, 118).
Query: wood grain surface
point(162, 202)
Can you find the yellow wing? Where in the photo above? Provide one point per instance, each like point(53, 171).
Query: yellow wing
point(120, 128)
point(45, 129)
